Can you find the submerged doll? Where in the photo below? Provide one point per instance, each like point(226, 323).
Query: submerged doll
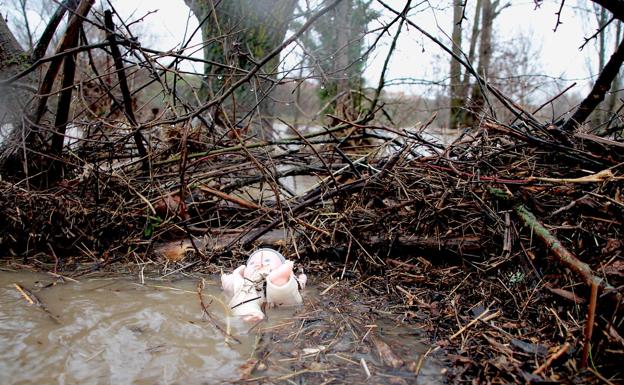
point(267, 277)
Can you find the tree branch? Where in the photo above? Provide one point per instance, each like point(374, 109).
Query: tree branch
point(597, 94)
point(616, 7)
point(125, 91)
point(46, 37)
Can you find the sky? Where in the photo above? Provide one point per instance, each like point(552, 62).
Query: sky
point(555, 54)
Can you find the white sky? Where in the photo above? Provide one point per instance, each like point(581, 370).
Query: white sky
point(558, 54)
point(558, 51)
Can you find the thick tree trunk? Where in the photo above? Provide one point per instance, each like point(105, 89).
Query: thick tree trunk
point(12, 99)
point(343, 35)
point(238, 33)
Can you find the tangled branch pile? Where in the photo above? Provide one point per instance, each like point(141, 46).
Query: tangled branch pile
point(385, 198)
point(501, 225)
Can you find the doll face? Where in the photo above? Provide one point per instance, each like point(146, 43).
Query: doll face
point(264, 261)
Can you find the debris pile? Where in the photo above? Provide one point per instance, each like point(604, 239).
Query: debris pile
point(501, 244)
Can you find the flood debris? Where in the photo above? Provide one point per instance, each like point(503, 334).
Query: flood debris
point(32, 299)
point(342, 336)
point(504, 246)
point(506, 219)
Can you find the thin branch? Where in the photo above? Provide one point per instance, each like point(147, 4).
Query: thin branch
point(558, 13)
point(598, 32)
point(125, 91)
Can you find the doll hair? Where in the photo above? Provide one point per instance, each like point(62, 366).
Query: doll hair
point(281, 257)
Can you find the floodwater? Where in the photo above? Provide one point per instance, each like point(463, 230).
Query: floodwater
point(118, 331)
point(113, 331)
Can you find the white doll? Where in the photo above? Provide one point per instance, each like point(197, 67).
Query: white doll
point(246, 290)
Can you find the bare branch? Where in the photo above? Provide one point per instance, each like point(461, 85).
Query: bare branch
point(597, 94)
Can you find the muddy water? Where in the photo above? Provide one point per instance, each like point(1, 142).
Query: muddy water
point(117, 331)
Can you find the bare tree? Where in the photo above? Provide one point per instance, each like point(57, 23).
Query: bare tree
point(604, 30)
point(12, 100)
point(236, 34)
point(457, 101)
point(490, 9)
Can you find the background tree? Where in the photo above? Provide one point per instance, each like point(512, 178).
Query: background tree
point(337, 50)
point(17, 97)
point(486, 13)
point(457, 100)
point(603, 31)
point(12, 60)
point(236, 34)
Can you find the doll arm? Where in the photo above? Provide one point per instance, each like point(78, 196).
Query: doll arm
point(281, 275)
point(302, 279)
point(282, 288)
point(231, 283)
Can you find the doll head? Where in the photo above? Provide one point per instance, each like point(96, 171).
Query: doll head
point(265, 260)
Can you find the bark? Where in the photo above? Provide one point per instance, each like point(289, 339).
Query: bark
point(488, 12)
point(457, 102)
point(597, 94)
point(238, 33)
point(465, 118)
point(13, 59)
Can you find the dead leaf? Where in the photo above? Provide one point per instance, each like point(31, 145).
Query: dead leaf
point(247, 368)
point(616, 268)
point(386, 354)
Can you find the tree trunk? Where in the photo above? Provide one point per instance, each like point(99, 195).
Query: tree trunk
point(465, 117)
point(343, 35)
point(615, 86)
point(600, 88)
point(457, 101)
point(13, 59)
point(238, 33)
point(485, 55)
point(601, 19)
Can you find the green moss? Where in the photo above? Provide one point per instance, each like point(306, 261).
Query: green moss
point(22, 60)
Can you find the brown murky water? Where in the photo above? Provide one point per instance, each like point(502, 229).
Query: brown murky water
point(117, 331)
